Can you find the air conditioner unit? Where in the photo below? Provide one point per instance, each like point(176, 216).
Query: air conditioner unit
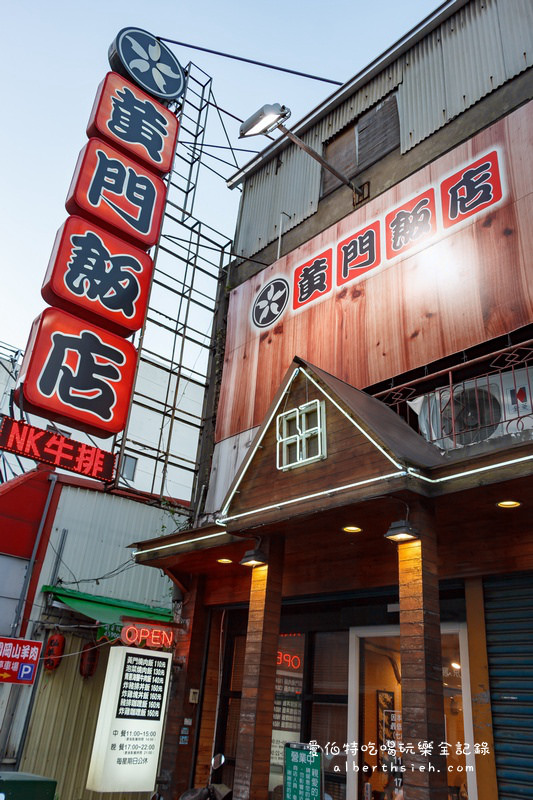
point(477, 410)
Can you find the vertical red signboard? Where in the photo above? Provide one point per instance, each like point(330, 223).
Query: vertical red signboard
point(78, 368)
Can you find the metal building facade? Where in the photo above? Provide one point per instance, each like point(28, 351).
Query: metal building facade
point(478, 48)
point(89, 538)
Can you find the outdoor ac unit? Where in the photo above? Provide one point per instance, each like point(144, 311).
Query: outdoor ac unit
point(477, 410)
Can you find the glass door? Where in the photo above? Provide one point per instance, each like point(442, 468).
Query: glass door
point(375, 738)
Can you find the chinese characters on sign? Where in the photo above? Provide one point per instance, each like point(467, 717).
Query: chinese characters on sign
point(130, 722)
point(54, 448)
point(118, 192)
point(471, 190)
point(134, 121)
point(142, 687)
point(302, 779)
point(98, 276)
point(75, 372)
point(18, 660)
point(99, 270)
point(403, 230)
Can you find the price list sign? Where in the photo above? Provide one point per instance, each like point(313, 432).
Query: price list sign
point(130, 721)
point(302, 772)
point(142, 687)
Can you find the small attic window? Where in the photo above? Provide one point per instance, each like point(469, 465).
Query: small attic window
point(301, 435)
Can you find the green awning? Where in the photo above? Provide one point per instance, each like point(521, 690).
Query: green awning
point(107, 609)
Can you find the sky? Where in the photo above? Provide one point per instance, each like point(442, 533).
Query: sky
point(55, 55)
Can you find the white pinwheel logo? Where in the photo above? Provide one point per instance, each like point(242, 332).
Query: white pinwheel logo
point(151, 60)
point(147, 61)
point(270, 303)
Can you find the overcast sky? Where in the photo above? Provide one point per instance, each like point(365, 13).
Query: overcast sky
point(55, 55)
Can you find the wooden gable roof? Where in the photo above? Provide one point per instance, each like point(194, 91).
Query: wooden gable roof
point(366, 442)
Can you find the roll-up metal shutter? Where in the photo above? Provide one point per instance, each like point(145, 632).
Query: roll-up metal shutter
point(509, 622)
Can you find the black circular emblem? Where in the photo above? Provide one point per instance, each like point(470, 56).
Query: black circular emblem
point(139, 56)
point(270, 303)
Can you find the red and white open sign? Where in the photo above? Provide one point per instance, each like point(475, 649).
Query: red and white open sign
point(98, 276)
point(117, 192)
point(77, 373)
point(133, 121)
point(18, 660)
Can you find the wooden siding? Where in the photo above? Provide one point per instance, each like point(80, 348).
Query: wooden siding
point(350, 458)
point(466, 287)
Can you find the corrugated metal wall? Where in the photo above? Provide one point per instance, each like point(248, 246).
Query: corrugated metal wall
point(60, 736)
point(479, 48)
point(99, 529)
point(293, 187)
point(509, 623)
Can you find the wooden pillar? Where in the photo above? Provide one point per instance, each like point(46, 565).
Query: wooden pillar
point(487, 785)
point(176, 760)
point(252, 765)
point(421, 661)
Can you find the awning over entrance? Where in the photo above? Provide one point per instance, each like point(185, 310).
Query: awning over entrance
point(106, 609)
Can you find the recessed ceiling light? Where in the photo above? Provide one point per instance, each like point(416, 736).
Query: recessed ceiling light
point(352, 529)
point(224, 561)
point(508, 504)
point(455, 665)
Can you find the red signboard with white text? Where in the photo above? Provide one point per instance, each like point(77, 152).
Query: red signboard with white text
point(76, 372)
point(98, 276)
point(117, 193)
point(135, 122)
point(18, 660)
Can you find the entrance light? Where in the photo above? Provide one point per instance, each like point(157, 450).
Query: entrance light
point(402, 531)
point(255, 557)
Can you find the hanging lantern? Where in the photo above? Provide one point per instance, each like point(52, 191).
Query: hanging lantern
point(54, 650)
point(89, 659)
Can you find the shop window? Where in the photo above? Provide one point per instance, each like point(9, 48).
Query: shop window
point(287, 720)
point(376, 133)
point(301, 435)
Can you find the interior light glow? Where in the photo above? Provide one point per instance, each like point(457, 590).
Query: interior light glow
point(455, 665)
point(224, 561)
point(352, 529)
point(508, 504)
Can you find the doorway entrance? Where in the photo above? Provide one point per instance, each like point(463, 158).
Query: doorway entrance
point(374, 758)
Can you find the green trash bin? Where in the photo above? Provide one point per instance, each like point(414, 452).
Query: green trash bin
point(23, 786)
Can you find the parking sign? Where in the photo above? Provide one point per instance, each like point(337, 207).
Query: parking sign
point(18, 660)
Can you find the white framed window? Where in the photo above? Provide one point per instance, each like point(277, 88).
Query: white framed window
point(301, 435)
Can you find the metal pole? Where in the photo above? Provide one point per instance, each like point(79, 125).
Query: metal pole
point(310, 152)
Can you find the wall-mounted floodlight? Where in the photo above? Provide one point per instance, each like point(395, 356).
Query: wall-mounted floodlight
point(271, 117)
point(265, 120)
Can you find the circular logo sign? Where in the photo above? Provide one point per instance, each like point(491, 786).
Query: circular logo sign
point(270, 303)
point(139, 56)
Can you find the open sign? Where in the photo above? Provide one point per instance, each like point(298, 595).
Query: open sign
point(288, 660)
point(153, 636)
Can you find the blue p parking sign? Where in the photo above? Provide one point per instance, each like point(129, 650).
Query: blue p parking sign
point(25, 672)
